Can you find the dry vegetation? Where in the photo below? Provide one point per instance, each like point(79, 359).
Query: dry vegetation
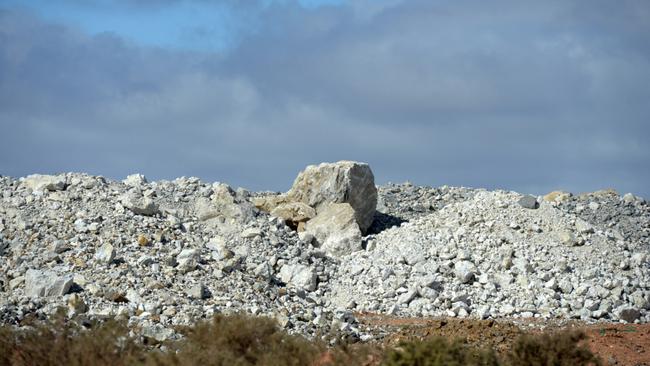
point(243, 340)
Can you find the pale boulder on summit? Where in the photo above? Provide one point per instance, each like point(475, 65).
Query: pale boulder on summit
point(38, 182)
point(342, 182)
point(335, 229)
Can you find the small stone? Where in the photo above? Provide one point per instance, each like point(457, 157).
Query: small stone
point(157, 332)
point(465, 271)
point(80, 226)
point(143, 240)
point(407, 297)
point(298, 275)
point(528, 202)
point(197, 291)
point(629, 314)
point(105, 254)
point(251, 233)
point(135, 180)
point(567, 238)
point(144, 206)
point(629, 198)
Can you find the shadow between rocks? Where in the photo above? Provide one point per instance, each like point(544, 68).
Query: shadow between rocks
point(382, 222)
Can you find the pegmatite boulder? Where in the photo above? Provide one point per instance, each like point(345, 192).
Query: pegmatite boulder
point(318, 186)
point(342, 182)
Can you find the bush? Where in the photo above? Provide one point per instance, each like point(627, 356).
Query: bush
point(56, 343)
point(240, 340)
point(562, 349)
point(437, 351)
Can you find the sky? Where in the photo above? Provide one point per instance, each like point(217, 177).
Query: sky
point(530, 96)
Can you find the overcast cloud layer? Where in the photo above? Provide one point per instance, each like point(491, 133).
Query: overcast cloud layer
point(523, 95)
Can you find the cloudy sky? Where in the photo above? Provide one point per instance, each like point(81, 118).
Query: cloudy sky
point(523, 95)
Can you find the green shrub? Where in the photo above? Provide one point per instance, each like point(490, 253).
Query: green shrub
point(437, 351)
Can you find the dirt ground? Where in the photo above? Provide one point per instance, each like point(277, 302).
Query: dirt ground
point(615, 344)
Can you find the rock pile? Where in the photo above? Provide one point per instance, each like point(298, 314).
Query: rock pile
point(498, 254)
point(168, 253)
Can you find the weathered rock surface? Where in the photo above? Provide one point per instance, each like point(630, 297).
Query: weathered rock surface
point(299, 275)
point(46, 283)
point(342, 182)
point(295, 214)
point(335, 229)
point(38, 182)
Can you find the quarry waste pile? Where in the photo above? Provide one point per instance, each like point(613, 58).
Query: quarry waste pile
point(168, 253)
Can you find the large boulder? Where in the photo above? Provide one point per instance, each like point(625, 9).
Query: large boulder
point(343, 182)
point(335, 229)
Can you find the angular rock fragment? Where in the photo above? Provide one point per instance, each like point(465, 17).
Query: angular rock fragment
point(294, 214)
point(135, 180)
point(465, 271)
point(335, 229)
point(38, 182)
point(46, 283)
point(140, 205)
point(341, 182)
point(298, 275)
point(105, 254)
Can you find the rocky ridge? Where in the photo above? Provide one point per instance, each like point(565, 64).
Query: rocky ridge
point(167, 253)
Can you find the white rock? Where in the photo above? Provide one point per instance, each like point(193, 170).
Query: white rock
point(140, 205)
point(105, 254)
point(465, 271)
point(298, 275)
point(341, 182)
point(335, 229)
point(157, 332)
point(38, 182)
point(135, 180)
point(407, 297)
point(251, 233)
point(46, 283)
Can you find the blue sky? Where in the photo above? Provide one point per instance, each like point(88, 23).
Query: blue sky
point(210, 26)
point(522, 95)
